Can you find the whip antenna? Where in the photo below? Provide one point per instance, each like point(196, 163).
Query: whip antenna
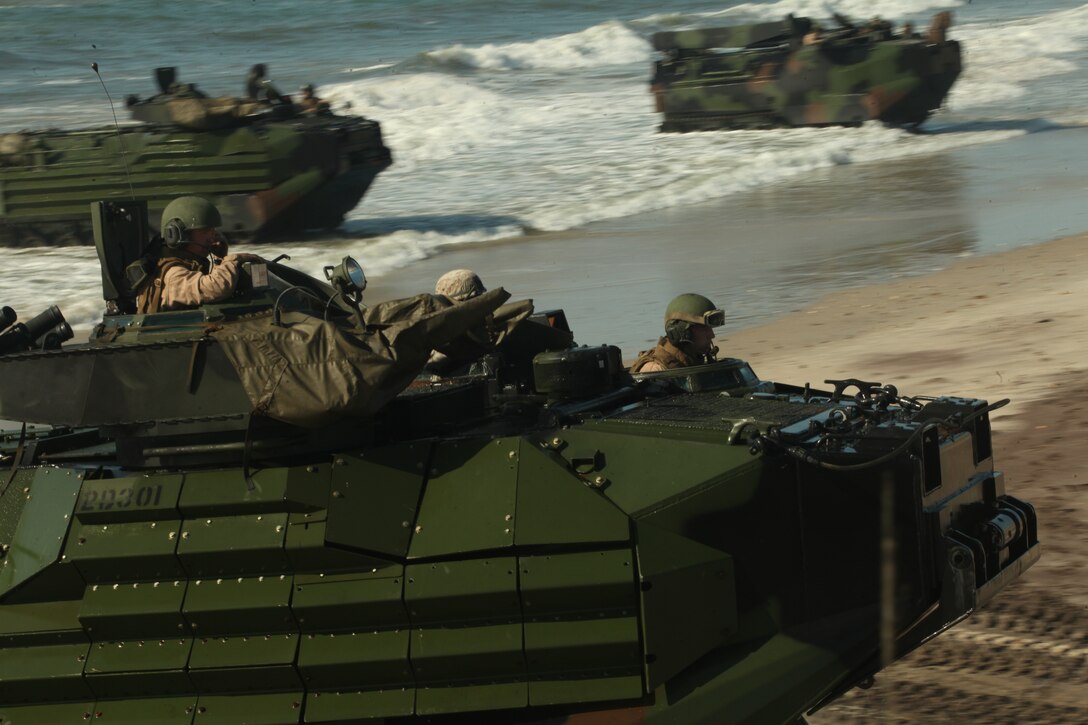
point(120, 138)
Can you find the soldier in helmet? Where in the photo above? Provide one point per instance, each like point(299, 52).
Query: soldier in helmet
point(459, 285)
point(690, 320)
point(259, 87)
point(255, 81)
point(194, 267)
point(310, 103)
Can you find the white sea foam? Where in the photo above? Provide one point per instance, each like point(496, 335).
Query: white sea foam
point(491, 155)
point(365, 69)
point(431, 116)
point(610, 43)
point(1001, 60)
point(560, 160)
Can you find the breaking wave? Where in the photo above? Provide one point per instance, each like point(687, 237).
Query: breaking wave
point(610, 43)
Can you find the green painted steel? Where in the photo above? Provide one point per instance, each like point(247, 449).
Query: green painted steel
point(547, 485)
point(44, 673)
point(133, 610)
point(470, 498)
point(129, 668)
point(692, 546)
point(689, 598)
point(68, 713)
point(264, 709)
point(42, 623)
point(375, 499)
point(641, 465)
point(466, 643)
point(48, 501)
point(581, 626)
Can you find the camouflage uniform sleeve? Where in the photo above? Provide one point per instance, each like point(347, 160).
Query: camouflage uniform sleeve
point(653, 366)
point(186, 288)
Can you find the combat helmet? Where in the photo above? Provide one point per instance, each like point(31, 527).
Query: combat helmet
point(192, 212)
point(185, 213)
point(696, 309)
point(459, 285)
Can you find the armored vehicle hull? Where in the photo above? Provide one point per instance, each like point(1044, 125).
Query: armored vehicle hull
point(549, 540)
point(269, 170)
point(792, 73)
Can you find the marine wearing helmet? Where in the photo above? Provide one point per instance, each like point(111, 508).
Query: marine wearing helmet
point(309, 102)
point(690, 320)
point(459, 285)
point(193, 267)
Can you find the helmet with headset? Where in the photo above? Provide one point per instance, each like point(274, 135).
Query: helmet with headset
point(186, 213)
point(690, 309)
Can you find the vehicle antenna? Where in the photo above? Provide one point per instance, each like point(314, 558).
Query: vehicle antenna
point(120, 138)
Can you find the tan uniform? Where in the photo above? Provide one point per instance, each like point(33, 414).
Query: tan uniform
point(185, 281)
point(313, 105)
point(665, 356)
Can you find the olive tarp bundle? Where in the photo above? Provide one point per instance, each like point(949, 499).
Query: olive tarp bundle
point(310, 372)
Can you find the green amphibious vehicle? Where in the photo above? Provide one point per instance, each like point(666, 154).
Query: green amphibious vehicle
point(260, 512)
point(796, 73)
point(270, 168)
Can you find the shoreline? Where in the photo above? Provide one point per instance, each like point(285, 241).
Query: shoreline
point(1012, 324)
point(770, 251)
point(1008, 324)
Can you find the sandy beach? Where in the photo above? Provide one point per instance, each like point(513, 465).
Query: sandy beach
point(1008, 325)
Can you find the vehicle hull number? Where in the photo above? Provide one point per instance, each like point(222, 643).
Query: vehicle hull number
point(104, 499)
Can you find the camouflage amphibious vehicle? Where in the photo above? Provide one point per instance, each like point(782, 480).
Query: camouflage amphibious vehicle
point(255, 512)
point(268, 167)
point(795, 73)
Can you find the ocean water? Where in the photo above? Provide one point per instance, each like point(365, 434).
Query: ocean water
point(506, 119)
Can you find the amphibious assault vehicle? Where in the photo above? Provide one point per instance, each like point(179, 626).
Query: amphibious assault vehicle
point(269, 168)
point(797, 73)
point(259, 512)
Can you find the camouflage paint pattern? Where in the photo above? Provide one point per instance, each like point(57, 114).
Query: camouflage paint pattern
point(775, 74)
point(268, 176)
